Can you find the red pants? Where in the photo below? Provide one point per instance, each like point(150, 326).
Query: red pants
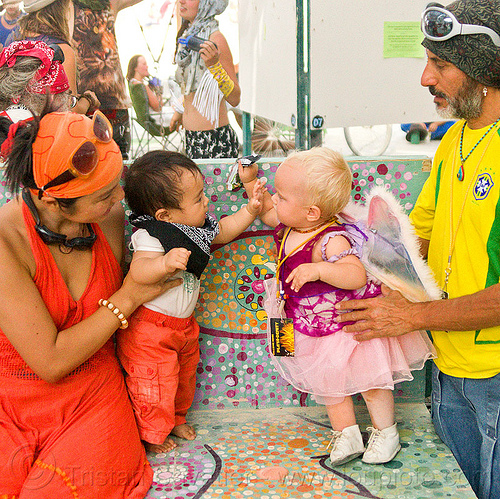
point(160, 355)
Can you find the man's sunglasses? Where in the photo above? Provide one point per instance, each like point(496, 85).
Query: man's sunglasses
point(438, 25)
point(85, 159)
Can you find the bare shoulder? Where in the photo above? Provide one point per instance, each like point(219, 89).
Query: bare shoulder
point(220, 40)
point(334, 246)
point(117, 5)
point(14, 242)
point(69, 53)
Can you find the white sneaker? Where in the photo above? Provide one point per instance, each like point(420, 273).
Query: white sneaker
point(382, 446)
point(347, 445)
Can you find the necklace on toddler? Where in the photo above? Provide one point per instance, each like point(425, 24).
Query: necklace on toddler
point(316, 227)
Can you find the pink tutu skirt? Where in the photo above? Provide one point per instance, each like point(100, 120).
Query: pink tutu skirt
point(334, 366)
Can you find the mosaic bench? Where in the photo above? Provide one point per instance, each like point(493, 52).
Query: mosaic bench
point(235, 369)
point(236, 377)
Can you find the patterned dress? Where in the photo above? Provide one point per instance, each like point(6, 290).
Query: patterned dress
point(329, 363)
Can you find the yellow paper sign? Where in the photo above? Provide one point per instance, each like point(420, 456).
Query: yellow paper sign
point(403, 39)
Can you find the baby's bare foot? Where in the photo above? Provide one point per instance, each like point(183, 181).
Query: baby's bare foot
point(184, 431)
point(166, 446)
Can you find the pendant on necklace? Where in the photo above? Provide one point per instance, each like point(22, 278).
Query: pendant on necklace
point(461, 173)
point(66, 250)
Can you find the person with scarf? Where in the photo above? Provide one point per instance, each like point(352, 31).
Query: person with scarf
point(9, 19)
point(50, 21)
point(160, 350)
point(208, 79)
point(31, 78)
point(66, 424)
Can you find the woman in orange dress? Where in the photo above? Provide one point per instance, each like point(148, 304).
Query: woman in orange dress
point(66, 424)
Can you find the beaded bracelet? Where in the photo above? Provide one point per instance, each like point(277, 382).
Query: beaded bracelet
point(225, 83)
point(123, 320)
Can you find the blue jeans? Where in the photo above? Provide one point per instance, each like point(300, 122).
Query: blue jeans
point(465, 413)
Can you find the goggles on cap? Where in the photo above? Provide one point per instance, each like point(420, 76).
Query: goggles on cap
point(438, 25)
point(85, 159)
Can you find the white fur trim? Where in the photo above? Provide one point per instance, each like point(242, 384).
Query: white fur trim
point(409, 240)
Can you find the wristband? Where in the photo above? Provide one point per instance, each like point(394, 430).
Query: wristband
point(225, 83)
point(88, 99)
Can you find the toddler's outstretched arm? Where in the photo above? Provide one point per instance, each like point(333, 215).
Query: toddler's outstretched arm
point(248, 176)
point(150, 266)
point(235, 224)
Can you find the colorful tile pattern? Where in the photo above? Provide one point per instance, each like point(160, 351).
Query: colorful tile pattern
point(234, 445)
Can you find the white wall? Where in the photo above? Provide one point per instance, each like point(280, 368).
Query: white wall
point(351, 82)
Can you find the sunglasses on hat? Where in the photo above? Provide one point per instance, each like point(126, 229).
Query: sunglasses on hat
point(438, 25)
point(85, 159)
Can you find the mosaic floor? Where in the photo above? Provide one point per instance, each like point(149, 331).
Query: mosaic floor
point(234, 447)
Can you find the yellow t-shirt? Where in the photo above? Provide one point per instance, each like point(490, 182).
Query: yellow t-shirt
point(469, 212)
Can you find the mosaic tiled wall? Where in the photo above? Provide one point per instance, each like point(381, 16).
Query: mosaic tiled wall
point(235, 370)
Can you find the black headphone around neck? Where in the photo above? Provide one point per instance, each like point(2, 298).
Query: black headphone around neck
point(50, 237)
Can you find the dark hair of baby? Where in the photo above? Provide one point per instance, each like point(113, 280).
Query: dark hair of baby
point(153, 181)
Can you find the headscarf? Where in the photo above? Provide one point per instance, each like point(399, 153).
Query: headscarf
point(476, 55)
point(51, 73)
point(191, 65)
point(59, 137)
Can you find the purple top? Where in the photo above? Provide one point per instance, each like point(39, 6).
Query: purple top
point(313, 306)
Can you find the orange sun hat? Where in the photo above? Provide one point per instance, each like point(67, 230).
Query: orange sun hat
point(74, 155)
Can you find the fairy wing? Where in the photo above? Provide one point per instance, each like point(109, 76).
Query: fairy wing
point(390, 251)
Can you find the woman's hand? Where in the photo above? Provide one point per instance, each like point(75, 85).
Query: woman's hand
point(141, 293)
point(87, 103)
point(209, 53)
point(175, 122)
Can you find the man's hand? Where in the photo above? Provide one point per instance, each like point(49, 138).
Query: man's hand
point(389, 314)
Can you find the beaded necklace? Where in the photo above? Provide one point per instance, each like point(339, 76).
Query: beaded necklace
point(454, 230)
point(461, 172)
point(281, 296)
point(312, 229)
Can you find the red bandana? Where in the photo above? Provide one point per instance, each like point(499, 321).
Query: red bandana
point(51, 73)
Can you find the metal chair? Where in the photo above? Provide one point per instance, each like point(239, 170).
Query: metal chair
point(148, 131)
point(145, 137)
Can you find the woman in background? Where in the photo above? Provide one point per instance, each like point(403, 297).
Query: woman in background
point(208, 79)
